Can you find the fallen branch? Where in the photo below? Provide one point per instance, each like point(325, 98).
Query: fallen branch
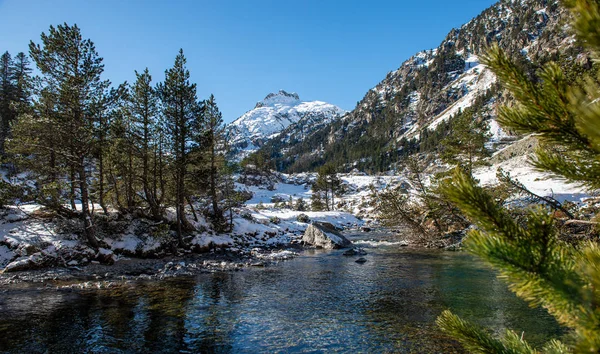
point(580, 222)
point(505, 177)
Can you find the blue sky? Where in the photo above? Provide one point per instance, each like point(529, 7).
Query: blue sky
point(332, 51)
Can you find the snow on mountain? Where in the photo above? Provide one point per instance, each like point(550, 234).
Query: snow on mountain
point(276, 112)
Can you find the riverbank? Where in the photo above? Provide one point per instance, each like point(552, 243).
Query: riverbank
point(32, 239)
point(96, 275)
point(99, 276)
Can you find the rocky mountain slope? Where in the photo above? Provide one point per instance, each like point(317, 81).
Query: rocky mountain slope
point(278, 112)
point(396, 117)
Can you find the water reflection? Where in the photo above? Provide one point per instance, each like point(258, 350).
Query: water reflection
point(319, 302)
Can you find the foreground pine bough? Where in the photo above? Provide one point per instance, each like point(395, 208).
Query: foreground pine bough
point(539, 267)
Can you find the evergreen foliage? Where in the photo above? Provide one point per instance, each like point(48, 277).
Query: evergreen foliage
point(539, 267)
point(327, 186)
point(149, 141)
point(136, 148)
point(15, 92)
point(465, 143)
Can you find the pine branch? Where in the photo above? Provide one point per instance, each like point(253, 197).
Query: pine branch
point(477, 340)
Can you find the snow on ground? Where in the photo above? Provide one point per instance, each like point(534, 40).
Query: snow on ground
point(15, 230)
point(29, 241)
point(359, 189)
point(496, 131)
point(538, 182)
point(282, 190)
point(131, 243)
point(207, 240)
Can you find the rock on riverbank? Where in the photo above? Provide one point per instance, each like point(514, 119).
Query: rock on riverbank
point(324, 235)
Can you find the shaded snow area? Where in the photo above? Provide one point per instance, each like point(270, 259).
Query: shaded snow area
point(6, 255)
point(30, 240)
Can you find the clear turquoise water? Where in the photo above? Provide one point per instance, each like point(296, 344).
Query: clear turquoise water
point(319, 302)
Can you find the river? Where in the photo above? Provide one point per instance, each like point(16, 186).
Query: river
point(318, 302)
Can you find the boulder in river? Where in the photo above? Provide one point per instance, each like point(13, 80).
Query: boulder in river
point(324, 235)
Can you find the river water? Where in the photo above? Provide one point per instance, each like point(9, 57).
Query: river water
point(318, 302)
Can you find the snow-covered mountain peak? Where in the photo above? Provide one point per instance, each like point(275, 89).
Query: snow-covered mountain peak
point(273, 115)
point(280, 98)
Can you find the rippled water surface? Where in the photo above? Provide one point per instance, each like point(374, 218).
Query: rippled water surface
point(321, 301)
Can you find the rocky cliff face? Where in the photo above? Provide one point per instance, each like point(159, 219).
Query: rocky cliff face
point(274, 114)
point(432, 86)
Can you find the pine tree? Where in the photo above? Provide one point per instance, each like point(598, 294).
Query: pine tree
point(300, 205)
point(316, 201)
point(328, 184)
point(180, 109)
point(540, 268)
point(232, 198)
point(105, 106)
point(7, 94)
point(213, 140)
point(22, 80)
point(70, 84)
point(144, 107)
point(465, 143)
point(15, 92)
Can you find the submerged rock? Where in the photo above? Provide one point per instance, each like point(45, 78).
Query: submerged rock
point(324, 235)
point(355, 252)
point(361, 260)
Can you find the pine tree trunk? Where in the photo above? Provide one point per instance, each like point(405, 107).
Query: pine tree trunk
point(72, 194)
point(130, 190)
point(332, 196)
point(101, 184)
point(192, 208)
point(54, 178)
point(213, 181)
point(117, 197)
point(88, 225)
